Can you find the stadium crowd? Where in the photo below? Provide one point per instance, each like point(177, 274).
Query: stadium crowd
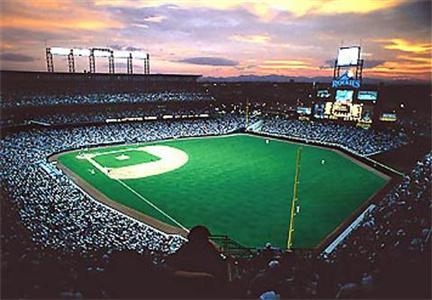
point(91, 117)
point(358, 140)
point(51, 197)
point(101, 98)
point(56, 230)
point(397, 231)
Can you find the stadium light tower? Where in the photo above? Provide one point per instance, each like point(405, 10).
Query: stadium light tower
point(71, 62)
point(94, 52)
point(111, 65)
point(147, 64)
point(101, 52)
point(50, 52)
point(146, 60)
point(49, 60)
point(129, 64)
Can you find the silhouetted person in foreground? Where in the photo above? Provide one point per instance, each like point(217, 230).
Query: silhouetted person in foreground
point(198, 268)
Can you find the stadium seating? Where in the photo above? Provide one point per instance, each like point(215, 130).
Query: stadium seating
point(69, 232)
point(50, 225)
point(358, 140)
point(12, 100)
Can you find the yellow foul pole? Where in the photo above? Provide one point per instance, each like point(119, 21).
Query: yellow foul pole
point(295, 199)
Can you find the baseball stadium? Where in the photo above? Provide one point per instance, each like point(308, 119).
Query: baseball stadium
point(241, 185)
point(215, 150)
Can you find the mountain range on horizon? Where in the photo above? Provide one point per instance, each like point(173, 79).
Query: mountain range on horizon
point(320, 79)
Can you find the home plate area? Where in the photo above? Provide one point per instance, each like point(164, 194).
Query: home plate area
point(170, 158)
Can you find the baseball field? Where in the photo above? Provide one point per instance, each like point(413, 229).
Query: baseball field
point(237, 185)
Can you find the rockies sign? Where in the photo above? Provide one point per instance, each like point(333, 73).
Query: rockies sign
point(344, 80)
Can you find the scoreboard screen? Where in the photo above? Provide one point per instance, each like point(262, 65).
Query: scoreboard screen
point(348, 56)
point(367, 95)
point(304, 110)
point(367, 113)
point(323, 94)
point(388, 117)
point(319, 109)
point(344, 95)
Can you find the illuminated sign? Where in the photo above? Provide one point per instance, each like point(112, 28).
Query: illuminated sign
point(344, 95)
point(323, 94)
point(304, 110)
point(348, 56)
point(60, 51)
point(367, 95)
point(319, 109)
point(345, 80)
point(388, 117)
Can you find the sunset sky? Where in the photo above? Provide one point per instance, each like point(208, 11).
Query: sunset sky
point(224, 37)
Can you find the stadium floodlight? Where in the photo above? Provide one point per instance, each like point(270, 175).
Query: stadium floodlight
point(139, 55)
point(348, 56)
point(81, 52)
point(60, 51)
point(101, 53)
point(92, 54)
point(121, 54)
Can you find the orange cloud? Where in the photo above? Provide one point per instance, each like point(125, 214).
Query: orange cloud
point(417, 59)
point(52, 16)
point(396, 68)
point(293, 62)
point(257, 39)
point(52, 25)
point(266, 10)
point(406, 46)
point(6, 46)
point(339, 6)
point(287, 64)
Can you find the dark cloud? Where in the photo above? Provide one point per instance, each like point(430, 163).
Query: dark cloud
point(19, 34)
point(209, 61)
point(133, 49)
point(409, 19)
point(372, 63)
point(415, 14)
point(124, 48)
point(246, 68)
point(192, 24)
point(328, 64)
point(116, 47)
point(16, 57)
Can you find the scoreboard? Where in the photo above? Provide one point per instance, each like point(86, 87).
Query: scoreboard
point(348, 105)
point(344, 99)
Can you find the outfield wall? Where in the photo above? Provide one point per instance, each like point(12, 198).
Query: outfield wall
point(333, 146)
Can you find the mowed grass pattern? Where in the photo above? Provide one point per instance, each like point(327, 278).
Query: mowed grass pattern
point(242, 187)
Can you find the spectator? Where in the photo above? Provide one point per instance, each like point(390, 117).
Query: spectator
point(198, 265)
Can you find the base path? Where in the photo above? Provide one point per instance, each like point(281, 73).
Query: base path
point(170, 159)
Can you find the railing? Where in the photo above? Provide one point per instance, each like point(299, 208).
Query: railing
point(231, 247)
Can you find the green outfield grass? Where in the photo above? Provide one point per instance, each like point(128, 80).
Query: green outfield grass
point(240, 186)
